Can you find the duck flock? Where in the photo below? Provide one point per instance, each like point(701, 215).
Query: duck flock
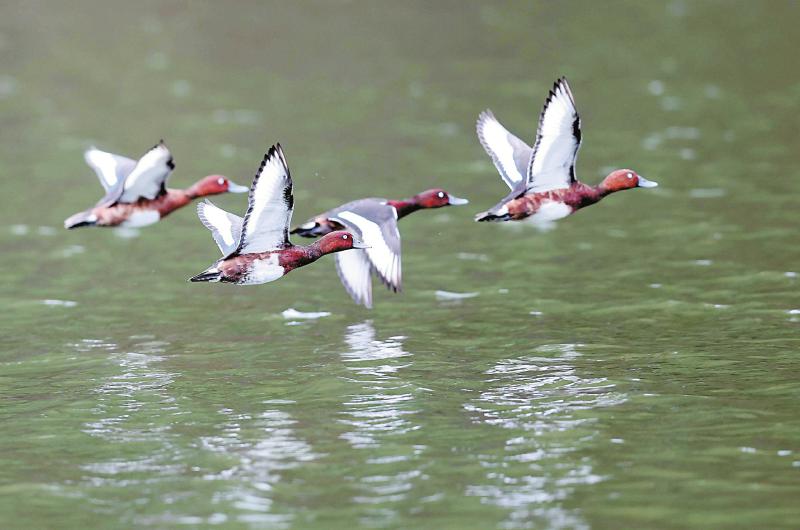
point(363, 234)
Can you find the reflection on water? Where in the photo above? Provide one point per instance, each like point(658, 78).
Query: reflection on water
point(540, 400)
point(262, 446)
point(132, 408)
point(136, 413)
point(386, 401)
point(379, 414)
point(139, 389)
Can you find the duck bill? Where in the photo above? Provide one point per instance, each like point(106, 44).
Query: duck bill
point(456, 201)
point(358, 242)
point(235, 188)
point(644, 183)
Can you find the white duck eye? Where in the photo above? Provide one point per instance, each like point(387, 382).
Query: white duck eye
point(220, 181)
point(630, 175)
point(344, 236)
point(441, 195)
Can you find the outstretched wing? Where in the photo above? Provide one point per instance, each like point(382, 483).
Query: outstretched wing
point(147, 180)
point(226, 228)
point(376, 224)
point(266, 223)
point(552, 164)
point(110, 168)
point(354, 267)
point(509, 154)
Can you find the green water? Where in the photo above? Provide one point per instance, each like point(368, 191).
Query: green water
point(636, 367)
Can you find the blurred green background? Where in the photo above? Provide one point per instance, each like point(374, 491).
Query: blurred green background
point(636, 367)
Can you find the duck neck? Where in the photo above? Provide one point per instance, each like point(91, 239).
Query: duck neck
point(293, 256)
point(592, 194)
point(313, 252)
point(194, 191)
point(172, 200)
point(600, 191)
point(405, 206)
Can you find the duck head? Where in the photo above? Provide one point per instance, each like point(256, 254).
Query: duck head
point(338, 241)
point(624, 179)
point(214, 185)
point(436, 198)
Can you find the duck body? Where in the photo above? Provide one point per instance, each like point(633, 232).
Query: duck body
point(373, 220)
point(143, 212)
point(544, 187)
point(256, 248)
point(136, 192)
point(264, 267)
point(544, 207)
point(327, 222)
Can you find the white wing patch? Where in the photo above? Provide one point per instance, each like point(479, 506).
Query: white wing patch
point(148, 177)
point(265, 271)
point(141, 218)
point(226, 228)
point(354, 267)
point(110, 168)
point(552, 165)
point(385, 262)
point(266, 222)
point(501, 146)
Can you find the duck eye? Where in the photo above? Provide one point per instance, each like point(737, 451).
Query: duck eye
point(441, 194)
point(220, 181)
point(630, 175)
point(344, 236)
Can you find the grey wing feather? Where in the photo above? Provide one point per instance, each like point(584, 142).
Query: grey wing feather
point(226, 228)
point(375, 222)
point(110, 168)
point(270, 206)
point(148, 179)
point(354, 269)
point(509, 154)
point(558, 139)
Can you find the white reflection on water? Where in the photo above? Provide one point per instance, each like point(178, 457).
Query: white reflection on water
point(137, 414)
point(541, 401)
point(133, 406)
point(379, 414)
point(262, 445)
point(383, 404)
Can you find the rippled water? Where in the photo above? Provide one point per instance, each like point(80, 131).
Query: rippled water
point(634, 367)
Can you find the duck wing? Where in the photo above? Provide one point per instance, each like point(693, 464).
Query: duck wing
point(375, 222)
point(509, 154)
point(147, 179)
point(111, 169)
point(354, 268)
point(270, 205)
point(552, 163)
point(226, 228)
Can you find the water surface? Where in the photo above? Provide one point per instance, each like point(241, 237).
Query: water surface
point(635, 367)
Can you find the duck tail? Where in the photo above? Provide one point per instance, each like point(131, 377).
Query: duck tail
point(80, 219)
point(491, 216)
point(211, 274)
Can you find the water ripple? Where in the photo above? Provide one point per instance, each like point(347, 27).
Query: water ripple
point(262, 447)
point(379, 415)
point(540, 400)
